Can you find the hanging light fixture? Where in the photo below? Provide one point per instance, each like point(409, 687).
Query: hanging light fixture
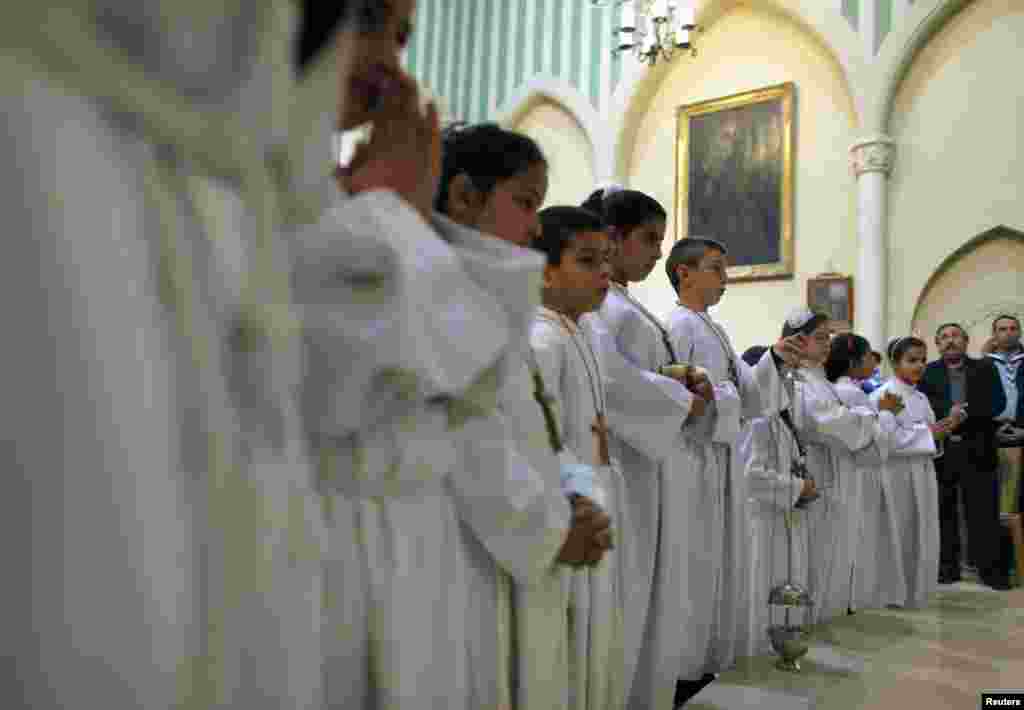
point(654, 29)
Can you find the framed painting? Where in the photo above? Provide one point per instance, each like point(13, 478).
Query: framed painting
point(734, 179)
point(832, 294)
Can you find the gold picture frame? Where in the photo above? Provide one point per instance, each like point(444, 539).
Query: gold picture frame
point(734, 178)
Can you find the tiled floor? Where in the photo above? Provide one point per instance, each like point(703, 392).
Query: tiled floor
point(968, 640)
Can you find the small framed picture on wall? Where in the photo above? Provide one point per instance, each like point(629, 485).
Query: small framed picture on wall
point(832, 294)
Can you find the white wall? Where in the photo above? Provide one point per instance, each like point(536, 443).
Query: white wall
point(983, 282)
point(567, 149)
point(958, 121)
point(749, 49)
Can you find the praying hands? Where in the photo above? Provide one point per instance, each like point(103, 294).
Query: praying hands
point(590, 535)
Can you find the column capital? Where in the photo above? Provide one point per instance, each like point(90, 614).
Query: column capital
point(874, 154)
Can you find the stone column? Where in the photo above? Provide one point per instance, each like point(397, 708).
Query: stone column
point(872, 162)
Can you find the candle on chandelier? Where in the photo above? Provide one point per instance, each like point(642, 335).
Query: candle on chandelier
point(643, 28)
point(628, 19)
point(686, 16)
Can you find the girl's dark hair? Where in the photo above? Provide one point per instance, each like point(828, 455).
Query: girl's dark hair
point(319, 21)
point(486, 153)
point(559, 225)
point(899, 347)
point(625, 209)
point(844, 353)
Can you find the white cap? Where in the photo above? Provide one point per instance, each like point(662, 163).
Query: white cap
point(799, 318)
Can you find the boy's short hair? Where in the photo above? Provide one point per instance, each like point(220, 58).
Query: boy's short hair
point(689, 252)
point(559, 225)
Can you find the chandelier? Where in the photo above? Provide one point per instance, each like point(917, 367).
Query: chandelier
point(654, 29)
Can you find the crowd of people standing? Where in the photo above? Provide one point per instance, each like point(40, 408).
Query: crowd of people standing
point(396, 437)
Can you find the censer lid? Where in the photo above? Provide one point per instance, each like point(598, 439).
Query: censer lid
point(789, 594)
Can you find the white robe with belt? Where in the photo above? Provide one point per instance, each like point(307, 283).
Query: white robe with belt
point(714, 507)
point(426, 497)
point(159, 524)
point(646, 413)
point(597, 596)
point(835, 435)
point(876, 520)
point(913, 552)
point(540, 601)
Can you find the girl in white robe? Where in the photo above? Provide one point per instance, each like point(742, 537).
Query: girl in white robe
point(174, 556)
point(646, 413)
point(401, 408)
point(576, 280)
point(849, 362)
point(914, 549)
point(415, 448)
point(833, 434)
point(495, 180)
point(427, 455)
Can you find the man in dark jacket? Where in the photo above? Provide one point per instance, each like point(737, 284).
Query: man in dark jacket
point(969, 466)
point(1006, 353)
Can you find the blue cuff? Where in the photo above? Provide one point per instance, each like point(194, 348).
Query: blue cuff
point(577, 479)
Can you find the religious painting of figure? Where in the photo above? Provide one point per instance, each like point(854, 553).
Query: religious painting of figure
point(832, 294)
point(734, 179)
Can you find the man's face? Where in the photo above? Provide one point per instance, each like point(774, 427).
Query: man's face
point(1007, 334)
point(951, 342)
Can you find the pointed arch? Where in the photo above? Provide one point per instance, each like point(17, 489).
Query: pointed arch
point(567, 97)
point(1000, 232)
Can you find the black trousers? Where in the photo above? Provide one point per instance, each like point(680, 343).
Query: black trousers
point(979, 490)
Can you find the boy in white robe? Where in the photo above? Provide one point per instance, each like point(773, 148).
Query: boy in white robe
point(714, 505)
point(774, 493)
point(575, 282)
point(174, 559)
point(523, 524)
point(914, 550)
